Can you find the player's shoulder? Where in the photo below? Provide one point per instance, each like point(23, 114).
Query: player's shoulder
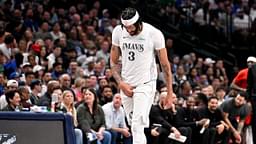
point(118, 28)
point(151, 28)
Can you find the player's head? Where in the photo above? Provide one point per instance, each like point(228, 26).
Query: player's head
point(131, 20)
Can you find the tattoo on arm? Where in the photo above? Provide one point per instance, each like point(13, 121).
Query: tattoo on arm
point(240, 126)
point(166, 68)
point(225, 115)
point(114, 63)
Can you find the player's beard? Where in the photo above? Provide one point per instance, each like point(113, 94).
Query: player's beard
point(132, 33)
point(136, 31)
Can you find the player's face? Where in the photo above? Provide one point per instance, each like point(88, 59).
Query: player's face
point(131, 29)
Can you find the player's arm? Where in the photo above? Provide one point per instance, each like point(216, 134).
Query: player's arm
point(166, 68)
point(115, 67)
point(114, 57)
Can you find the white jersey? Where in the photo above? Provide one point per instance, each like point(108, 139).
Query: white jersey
point(138, 53)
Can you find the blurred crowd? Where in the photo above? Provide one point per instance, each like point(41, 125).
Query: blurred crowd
point(56, 54)
point(220, 21)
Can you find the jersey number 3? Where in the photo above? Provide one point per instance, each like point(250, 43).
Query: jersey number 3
point(131, 56)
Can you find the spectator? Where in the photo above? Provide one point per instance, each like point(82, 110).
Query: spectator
point(234, 111)
point(53, 56)
point(188, 117)
point(43, 31)
point(57, 70)
point(91, 118)
point(106, 95)
point(67, 106)
point(56, 32)
point(36, 89)
point(220, 72)
point(193, 77)
point(240, 80)
point(11, 85)
point(13, 100)
point(104, 51)
point(46, 99)
point(2, 84)
point(102, 81)
point(79, 84)
point(73, 70)
point(8, 46)
point(216, 130)
point(166, 118)
point(65, 81)
point(115, 121)
point(29, 76)
point(29, 22)
point(220, 94)
point(24, 97)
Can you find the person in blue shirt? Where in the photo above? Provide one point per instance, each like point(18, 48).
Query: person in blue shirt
point(115, 120)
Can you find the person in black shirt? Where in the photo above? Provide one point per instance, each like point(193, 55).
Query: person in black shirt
point(13, 100)
point(166, 120)
point(215, 131)
point(188, 117)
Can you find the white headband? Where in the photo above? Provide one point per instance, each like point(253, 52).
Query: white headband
point(131, 21)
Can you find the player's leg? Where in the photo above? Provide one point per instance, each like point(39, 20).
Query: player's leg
point(142, 99)
point(127, 103)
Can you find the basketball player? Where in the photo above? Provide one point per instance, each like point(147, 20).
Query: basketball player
point(135, 43)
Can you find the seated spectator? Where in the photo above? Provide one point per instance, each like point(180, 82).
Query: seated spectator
point(91, 118)
point(11, 85)
point(106, 95)
point(115, 121)
point(188, 117)
point(201, 100)
point(166, 119)
point(215, 131)
point(25, 97)
point(234, 111)
point(36, 89)
point(67, 106)
point(13, 100)
point(79, 84)
point(220, 94)
point(46, 99)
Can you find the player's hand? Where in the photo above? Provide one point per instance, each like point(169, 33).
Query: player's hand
point(126, 88)
point(167, 102)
